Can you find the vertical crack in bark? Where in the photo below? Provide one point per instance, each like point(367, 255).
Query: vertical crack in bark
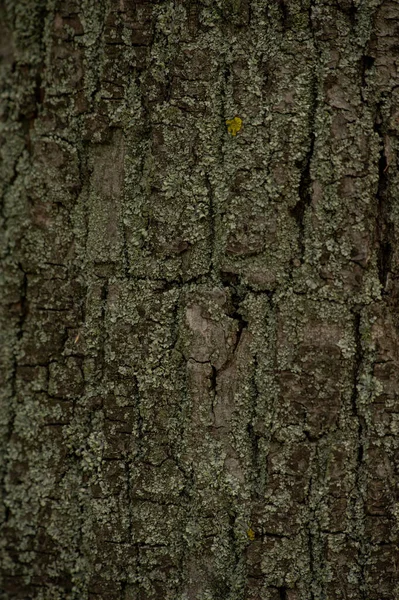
point(358, 500)
point(235, 550)
point(128, 464)
point(351, 11)
point(24, 304)
point(259, 473)
point(366, 65)
point(213, 387)
point(213, 379)
point(357, 363)
point(284, 14)
point(305, 182)
point(383, 226)
point(282, 593)
point(310, 536)
point(314, 500)
point(236, 299)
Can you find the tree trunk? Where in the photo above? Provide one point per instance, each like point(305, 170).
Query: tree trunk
point(200, 299)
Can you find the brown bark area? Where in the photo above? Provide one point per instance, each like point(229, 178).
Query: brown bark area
point(200, 333)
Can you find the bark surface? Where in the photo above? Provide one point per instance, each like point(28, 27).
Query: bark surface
point(200, 325)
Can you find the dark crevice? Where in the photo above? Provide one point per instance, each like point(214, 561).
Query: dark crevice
point(304, 192)
point(24, 304)
point(237, 296)
point(123, 589)
point(366, 64)
point(174, 324)
point(254, 439)
point(235, 548)
point(167, 89)
point(282, 593)
point(358, 500)
point(242, 324)
point(140, 427)
point(233, 281)
point(385, 259)
point(199, 362)
point(305, 182)
point(284, 14)
point(125, 253)
point(259, 461)
point(238, 293)
point(351, 11)
point(128, 464)
point(383, 226)
point(187, 491)
point(38, 92)
point(212, 217)
point(311, 562)
point(311, 541)
point(169, 284)
point(274, 536)
point(229, 278)
point(104, 295)
point(213, 378)
point(213, 389)
point(357, 363)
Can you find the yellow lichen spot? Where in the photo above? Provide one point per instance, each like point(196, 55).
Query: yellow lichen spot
point(251, 534)
point(234, 125)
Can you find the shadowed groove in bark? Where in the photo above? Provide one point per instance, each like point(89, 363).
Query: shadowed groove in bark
point(383, 224)
point(366, 64)
point(259, 458)
point(236, 551)
point(305, 182)
point(311, 547)
point(284, 14)
point(282, 591)
point(358, 500)
point(242, 324)
point(103, 297)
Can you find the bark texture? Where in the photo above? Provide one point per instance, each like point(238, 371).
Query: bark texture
point(200, 330)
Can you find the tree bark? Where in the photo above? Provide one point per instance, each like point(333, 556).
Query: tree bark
point(200, 318)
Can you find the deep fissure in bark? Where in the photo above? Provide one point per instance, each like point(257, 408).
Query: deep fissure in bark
point(383, 224)
point(305, 182)
point(358, 500)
